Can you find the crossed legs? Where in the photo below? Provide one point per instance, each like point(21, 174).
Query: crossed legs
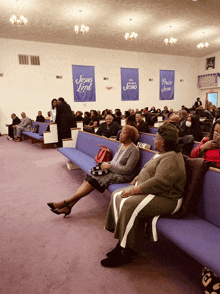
point(66, 205)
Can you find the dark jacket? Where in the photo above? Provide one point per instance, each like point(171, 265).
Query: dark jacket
point(86, 120)
point(198, 103)
point(112, 130)
point(16, 121)
point(40, 118)
point(143, 127)
point(117, 119)
point(65, 121)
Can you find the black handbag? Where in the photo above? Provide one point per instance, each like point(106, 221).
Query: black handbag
point(98, 171)
point(35, 129)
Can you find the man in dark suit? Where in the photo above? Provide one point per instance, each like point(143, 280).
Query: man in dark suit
point(40, 117)
point(198, 102)
point(141, 125)
point(15, 121)
point(65, 120)
point(108, 128)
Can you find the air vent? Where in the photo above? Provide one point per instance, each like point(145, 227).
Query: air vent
point(1, 74)
point(150, 80)
point(23, 59)
point(181, 80)
point(35, 60)
point(59, 77)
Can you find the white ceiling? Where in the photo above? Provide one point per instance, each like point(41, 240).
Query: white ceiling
point(53, 21)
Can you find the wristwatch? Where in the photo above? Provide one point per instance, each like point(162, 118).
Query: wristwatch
point(132, 191)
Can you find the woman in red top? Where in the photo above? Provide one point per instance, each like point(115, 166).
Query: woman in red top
point(209, 148)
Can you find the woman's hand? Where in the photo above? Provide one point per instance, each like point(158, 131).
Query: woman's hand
point(105, 165)
point(134, 181)
point(208, 145)
point(126, 193)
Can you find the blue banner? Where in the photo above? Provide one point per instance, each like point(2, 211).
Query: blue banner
point(84, 83)
point(129, 84)
point(167, 78)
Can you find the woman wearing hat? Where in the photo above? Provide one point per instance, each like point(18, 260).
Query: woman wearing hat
point(156, 191)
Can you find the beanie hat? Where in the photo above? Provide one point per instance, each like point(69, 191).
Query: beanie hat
point(168, 132)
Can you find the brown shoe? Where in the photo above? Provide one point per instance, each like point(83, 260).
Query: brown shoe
point(18, 140)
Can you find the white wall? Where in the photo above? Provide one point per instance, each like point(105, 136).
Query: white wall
point(31, 88)
point(203, 71)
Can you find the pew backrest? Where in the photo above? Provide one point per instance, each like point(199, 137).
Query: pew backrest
point(147, 138)
point(153, 130)
point(42, 127)
point(83, 143)
point(209, 203)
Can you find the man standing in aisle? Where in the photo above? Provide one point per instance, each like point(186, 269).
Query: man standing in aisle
point(65, 120)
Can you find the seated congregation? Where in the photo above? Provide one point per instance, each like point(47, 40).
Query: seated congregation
point(145, 185)
point(190, 121)
point(155, 183)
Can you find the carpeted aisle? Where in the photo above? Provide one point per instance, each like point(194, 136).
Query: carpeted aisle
point(45, 253)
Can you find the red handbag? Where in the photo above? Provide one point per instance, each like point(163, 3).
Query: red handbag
point(104, 154)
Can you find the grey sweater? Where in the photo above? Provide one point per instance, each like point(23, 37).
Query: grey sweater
point(164, 175)
point(128, 162)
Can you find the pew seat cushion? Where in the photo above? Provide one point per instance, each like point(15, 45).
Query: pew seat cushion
point(33, 135)
point(82, 160)
point(197, 237)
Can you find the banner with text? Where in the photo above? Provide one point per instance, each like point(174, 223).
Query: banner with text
point(167, 78)
point(84, 83)
point(129, 84)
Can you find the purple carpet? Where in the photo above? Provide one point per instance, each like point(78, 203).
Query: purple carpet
point(44, 253)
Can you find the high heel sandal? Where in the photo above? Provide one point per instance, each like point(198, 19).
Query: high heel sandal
point(50, 204)
point(56, 211)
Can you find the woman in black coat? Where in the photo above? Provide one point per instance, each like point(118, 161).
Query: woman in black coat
point(192, 128)
point(65, 120)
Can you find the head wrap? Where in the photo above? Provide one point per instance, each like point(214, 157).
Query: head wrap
point(168, 132)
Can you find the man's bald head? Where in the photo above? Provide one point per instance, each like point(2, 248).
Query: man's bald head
point(174, 118)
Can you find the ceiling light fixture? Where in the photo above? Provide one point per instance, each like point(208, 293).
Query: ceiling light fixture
point(82, 30)
point(171, 40)
point(203, 45)
point(18, 21)
point(131, 36)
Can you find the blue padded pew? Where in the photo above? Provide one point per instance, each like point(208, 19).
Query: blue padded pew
point(39, 135)
point(147, 138)
point(199, 235)
point(87, 148)
point(153, 130)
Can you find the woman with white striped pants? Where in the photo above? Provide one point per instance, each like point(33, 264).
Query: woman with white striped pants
point(156, 191)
